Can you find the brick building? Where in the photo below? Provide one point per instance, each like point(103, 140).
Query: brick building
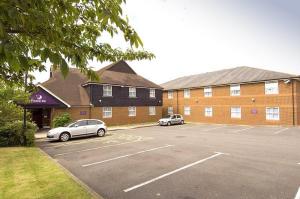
point(121, 97)
point(241, 95)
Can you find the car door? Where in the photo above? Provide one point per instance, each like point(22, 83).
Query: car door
point(78, 128)
point(173, 119)
point(92, 127)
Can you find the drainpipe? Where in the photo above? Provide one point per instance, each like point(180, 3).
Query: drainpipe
point(293, 101)
point(177, 101)
point(90, 107)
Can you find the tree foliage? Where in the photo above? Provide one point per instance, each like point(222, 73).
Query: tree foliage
point(64, 32)
point(10, 96)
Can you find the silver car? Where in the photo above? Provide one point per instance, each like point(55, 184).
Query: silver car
point(78, 129)
point(171, 119)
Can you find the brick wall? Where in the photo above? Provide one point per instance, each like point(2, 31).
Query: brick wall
point(252, 100)
point(119, 114)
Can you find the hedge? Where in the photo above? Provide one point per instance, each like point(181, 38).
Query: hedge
point(62, 120)
point(13, 134)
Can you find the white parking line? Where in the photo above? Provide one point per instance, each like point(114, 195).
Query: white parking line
point(124, 156)
point(213, 128)
point(172, 172)
point(280, 131)
point(298, 163)
point(298, 194)
point(96, 148)
point(240, 130)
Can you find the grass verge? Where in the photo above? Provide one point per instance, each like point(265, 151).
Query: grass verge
point(27, 173)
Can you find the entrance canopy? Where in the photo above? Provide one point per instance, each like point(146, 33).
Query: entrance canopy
point(44, 99)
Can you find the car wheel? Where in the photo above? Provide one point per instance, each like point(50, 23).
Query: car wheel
point(169, 123)
point(182, 122)
point(101, 132)
point(64, 137)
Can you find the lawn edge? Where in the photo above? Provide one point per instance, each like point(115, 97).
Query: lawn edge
point(77, 180)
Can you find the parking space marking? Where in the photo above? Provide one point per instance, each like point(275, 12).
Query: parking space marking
point(298, 163)
point(280, 131)
point(94, 140)
point(213, 128)
point(125, 156)
point(240, 130)
point(174, 171)
point(96, 148)
point(298, 194)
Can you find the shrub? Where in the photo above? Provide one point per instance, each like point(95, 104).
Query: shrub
point(62, 120)
point(13, 134)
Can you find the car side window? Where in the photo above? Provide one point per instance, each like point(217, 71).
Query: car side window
point(173, 117)
point(81, 123)
point(93, 122)
point(178, 116)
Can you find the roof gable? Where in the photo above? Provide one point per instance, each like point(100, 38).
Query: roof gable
point(121, 67)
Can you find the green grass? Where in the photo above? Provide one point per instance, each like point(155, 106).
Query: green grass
point(28, 173)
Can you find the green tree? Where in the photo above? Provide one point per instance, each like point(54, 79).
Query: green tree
point(10, 96)
point(64, 32)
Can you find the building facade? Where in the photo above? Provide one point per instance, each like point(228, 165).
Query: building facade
point(241, 95)
point(120, 97)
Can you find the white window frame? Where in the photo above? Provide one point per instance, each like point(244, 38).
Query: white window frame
point(170, 94)
point(169, 110)
point(131, 111)
point(208, 92)
point(208, 111)
point(270, 113)
point(107, 90)
point(235, 90)
point(152, 110)
point(186, 93)
point(107, 112)
point(132, 92)
point(152, 92)
point(187, 110)
point(236, 114)
point(272, 87)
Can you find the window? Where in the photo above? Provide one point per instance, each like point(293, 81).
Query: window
point(187, 110)
point(94, 122)
point(132, 92)
point(271, 87)
point(107, 112)
point(170, 110)
point(107, 90)
point(236, 112)
point(235, 90)
point(186, 93)
point(152, 110)
point(79, 123)
point(152, 92)
point(207, 92)
point(170, 94)
point(131, 111)
point(208, 112)
point(272, 113)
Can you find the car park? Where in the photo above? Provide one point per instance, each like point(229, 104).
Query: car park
point(79, 128)
point(171, 119)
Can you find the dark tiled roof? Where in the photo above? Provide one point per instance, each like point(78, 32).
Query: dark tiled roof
point(71, 88)
point(241, 74)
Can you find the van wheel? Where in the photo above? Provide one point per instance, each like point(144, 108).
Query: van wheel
point(182, 122)
point(64, 137)
point(169, 123)
point(101, 132)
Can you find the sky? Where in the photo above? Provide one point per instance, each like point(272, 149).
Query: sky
point(196, 36)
